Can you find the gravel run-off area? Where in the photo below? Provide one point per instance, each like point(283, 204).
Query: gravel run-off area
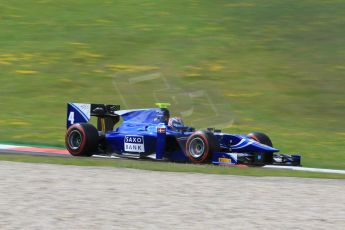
point(42, 196)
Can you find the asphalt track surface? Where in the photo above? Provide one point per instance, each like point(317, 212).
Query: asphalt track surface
point(50, 151)
point(42, 196)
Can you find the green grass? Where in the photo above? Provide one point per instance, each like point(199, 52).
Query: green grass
point(270, 66)
point(168, 167)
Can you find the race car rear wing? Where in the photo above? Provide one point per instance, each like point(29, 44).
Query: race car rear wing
point(81, 113)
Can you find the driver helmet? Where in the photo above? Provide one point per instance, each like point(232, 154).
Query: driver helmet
point(175, 123)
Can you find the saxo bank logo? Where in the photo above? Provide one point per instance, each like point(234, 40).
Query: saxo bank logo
point(134, 143)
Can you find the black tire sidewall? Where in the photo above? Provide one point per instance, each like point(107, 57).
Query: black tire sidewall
point(89, 139)
point(78, 151)
point(210, 146)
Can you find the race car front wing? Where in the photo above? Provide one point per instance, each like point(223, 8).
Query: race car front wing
point(258, 159)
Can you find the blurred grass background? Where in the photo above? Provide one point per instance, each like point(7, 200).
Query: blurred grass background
point(271, 66)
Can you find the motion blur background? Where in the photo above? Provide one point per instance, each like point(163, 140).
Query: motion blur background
point(256, 65)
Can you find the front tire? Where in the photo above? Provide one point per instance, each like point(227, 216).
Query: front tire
point(82, 139)
point(200, 146)
point(261, 138)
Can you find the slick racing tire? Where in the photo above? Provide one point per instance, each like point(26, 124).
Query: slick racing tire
point(200, 146)
point(261, 138)
point(82, 139)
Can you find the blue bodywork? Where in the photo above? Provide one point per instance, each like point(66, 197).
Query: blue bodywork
point(144, 133)
point(145, 123)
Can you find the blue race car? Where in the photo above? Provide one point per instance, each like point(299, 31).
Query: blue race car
point(151, 133)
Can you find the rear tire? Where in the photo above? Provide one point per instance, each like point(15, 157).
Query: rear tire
point(261, 138)
point(200, 146)
point(82, 139)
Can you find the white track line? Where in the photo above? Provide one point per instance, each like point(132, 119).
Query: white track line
point(296, 168)
point(7, 147)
